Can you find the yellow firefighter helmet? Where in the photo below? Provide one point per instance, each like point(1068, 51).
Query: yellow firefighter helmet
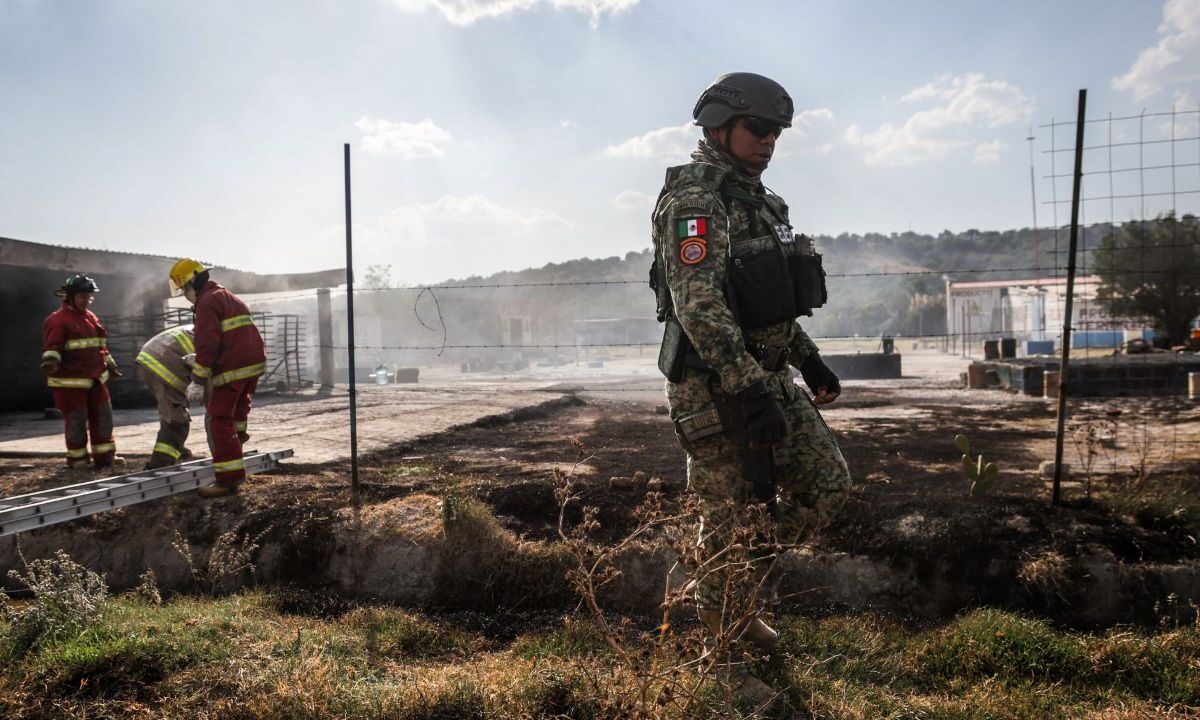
point(182, 273)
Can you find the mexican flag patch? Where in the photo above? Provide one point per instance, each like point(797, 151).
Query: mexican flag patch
point(693, 227)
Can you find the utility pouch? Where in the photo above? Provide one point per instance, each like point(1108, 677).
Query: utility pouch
point(672, 354)
point(699, 424)
point(763, 287)
point(808, 282)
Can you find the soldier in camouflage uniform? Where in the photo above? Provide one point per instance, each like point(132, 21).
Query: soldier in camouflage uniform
point(731, 279)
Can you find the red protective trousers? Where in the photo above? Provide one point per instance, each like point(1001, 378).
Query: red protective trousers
point(87, 412)
point(228, 409)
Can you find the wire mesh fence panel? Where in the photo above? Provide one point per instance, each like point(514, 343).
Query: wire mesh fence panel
point(1135, 326)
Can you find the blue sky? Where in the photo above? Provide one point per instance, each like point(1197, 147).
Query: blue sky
point(502, 134)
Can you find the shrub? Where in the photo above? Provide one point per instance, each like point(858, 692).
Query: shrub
point(67, 598)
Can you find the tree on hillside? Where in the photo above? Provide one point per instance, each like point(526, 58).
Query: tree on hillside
point(1152, 270)
point(378, 277)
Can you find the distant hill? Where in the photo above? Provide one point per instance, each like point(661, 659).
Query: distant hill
point(870, 292)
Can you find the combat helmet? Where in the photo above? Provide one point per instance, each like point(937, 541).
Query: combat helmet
point(743, 94)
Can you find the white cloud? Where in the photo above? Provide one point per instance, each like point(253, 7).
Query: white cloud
point(966, 106)
point(633, 200)
point(812, 132)
point(1174, 60)
point(669, 143)
point(468, 12)
point(989, 152)
point(568, 124)
point(457, 235)
point(1185, 123)
point(409, 140)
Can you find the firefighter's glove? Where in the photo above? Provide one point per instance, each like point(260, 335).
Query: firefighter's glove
point(195, 393)
point(49, 366)
point(113, 371)
point(189, 359)
point(819, 378)
point(765, 422)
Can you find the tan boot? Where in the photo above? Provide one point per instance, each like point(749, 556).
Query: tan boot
point(217, 491)
point(757, 632)
point(761, 635)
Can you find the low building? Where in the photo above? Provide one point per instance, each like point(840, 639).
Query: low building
point(1033, 310)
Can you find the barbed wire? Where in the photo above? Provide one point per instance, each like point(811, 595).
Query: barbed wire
point(586, 283)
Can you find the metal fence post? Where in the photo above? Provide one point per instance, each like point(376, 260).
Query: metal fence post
point(1063, 385)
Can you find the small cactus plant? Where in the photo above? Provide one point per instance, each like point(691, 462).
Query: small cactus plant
point(981, 476)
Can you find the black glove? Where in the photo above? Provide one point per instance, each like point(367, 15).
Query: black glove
point(817, 375)
point(765, 422)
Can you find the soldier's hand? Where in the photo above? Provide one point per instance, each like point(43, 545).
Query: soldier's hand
point(820, 379)
point(765, 422)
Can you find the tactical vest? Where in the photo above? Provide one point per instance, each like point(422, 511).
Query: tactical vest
point(773, 276)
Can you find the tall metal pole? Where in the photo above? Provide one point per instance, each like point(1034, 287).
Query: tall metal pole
point(1063, 385)
point(1037, 240)
point(350, 336)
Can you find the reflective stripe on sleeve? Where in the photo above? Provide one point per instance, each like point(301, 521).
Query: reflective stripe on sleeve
point(52, 354)
point(240, 374)
point(236, 322)
point(153, 365)
point(75, 383)
point(103, 377)
point(240, 425)
point(185, 341)
point(201, 372)
point(80, 343)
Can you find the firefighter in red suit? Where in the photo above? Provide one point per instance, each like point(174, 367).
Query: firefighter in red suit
point(77, 366)
point(230, 357)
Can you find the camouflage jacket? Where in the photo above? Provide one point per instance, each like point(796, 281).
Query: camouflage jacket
point(696, 274)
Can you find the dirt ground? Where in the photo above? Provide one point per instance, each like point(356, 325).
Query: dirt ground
point(910, 506)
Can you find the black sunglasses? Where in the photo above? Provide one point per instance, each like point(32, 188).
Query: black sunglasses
point(761, 128)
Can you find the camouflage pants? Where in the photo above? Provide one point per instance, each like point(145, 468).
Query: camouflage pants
point(810, 473)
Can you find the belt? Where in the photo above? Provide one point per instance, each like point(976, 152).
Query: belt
point(770, 357)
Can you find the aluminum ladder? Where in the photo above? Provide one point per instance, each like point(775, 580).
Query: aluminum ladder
point(57, 505)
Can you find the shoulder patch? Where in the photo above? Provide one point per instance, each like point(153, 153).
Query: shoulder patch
point(692, 227)
point(693, 251)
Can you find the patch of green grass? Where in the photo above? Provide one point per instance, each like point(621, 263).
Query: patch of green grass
point(1007, 647)
point(575, 637)
point(238, 657)
point(557, 692)
point(403, 635)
